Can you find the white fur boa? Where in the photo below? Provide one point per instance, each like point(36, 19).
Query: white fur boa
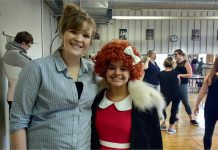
point(144, 96)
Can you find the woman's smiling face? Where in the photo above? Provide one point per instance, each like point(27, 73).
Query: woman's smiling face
point(77, 42)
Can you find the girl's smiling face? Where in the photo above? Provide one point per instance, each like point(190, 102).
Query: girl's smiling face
point(117, 74)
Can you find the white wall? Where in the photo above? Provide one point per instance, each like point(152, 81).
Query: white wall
point(24, 15)
point(208, 42)
point(49, 30)
point(27, 15)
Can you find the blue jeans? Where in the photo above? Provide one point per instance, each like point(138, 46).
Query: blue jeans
point(184, 93)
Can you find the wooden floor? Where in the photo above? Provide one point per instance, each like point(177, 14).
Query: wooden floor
point(188, 137)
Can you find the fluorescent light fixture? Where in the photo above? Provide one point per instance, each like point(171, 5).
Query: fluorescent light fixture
point(163, 17)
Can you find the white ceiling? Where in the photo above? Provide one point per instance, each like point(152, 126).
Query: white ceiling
point(99, 9)
point(150, 4)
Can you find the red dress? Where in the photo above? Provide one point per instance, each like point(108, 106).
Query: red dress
point(113, 123)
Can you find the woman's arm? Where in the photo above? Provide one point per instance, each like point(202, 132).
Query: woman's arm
point(188, 69)
point(18, 140)
point(201, 95)
point(179, 80)
point(146, 63)
point(25, 96)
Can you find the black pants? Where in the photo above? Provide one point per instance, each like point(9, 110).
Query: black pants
point(210, 122)
point(174, 109)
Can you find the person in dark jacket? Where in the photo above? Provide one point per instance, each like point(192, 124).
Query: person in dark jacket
point(151, 69)
point(125, 113)
point(211, 104)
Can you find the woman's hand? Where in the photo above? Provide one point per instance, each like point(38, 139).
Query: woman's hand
point(178, 76)
point(146, 63)
point(196, 110)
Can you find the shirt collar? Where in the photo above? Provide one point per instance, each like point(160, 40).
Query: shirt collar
point(59, 62)
point(125, 104)
point(61, 66)
point(84, 67)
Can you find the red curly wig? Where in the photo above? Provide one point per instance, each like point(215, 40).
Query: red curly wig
point(114, 51)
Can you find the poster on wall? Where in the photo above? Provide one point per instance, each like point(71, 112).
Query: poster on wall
point(123, 34)
point(149, 34)
point(96, 36)
point(195, 35)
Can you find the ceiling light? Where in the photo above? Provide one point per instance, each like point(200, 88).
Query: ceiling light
point(164, 17)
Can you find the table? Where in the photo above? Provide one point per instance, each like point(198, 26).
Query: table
point(195, 83)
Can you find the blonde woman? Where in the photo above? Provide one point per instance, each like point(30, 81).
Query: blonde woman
point(151, 69)
point(53, 97)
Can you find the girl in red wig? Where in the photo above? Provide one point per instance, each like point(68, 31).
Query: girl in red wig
point(126, 111)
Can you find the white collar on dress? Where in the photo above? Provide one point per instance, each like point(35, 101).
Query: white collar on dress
point(125, 104)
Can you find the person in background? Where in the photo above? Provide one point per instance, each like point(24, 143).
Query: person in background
point(126, 111)
point(2, 126)
point(194, 63)
point(151, 69)
point(211, 104)
point(185, 72)
point(200, 67)
point(15, 58)
point(53, 96)
point(169, 87)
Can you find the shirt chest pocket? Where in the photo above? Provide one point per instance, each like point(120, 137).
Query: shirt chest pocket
point(60, 96)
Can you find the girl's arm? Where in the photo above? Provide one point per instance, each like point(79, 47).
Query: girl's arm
point(19, 140)
point(188, 69)
point(201, 95)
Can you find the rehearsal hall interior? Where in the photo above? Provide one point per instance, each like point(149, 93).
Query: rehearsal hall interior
point(182, 30)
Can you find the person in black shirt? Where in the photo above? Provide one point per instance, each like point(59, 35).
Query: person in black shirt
point(211, 104)
point(185, 72)
point(169, 86)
